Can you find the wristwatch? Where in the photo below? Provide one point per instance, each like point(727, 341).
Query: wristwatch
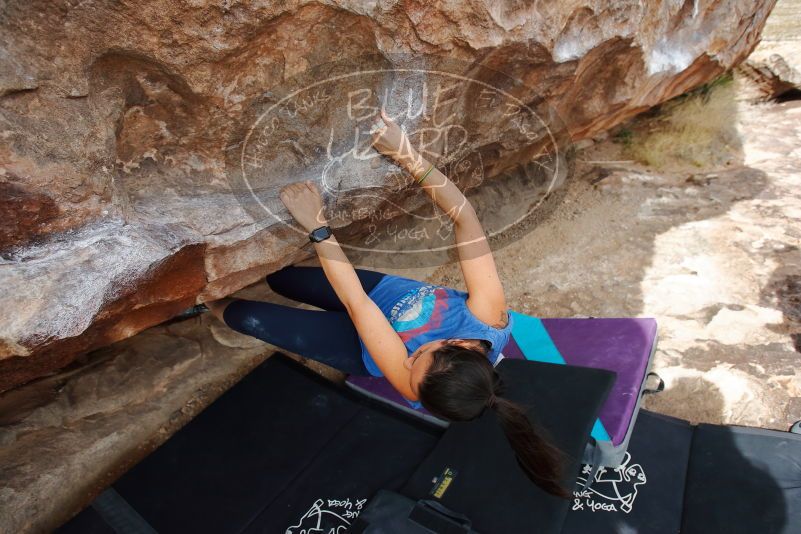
point(320, 234)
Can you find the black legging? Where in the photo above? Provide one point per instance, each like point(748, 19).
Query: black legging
point(326, 336)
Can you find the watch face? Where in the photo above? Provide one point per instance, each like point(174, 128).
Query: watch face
point(321, 233)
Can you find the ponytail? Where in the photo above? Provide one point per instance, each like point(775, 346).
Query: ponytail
point(461, 384)
point(540, 459)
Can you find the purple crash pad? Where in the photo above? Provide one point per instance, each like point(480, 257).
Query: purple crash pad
point(622, 345)
point(380, 387)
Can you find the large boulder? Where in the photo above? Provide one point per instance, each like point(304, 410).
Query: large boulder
point(775, 65)
point(140, 161)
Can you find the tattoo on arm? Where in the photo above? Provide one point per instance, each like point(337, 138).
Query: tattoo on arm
point(502, 320)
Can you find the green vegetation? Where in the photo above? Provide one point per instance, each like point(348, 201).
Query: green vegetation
point(695, 129)
point(623, 136)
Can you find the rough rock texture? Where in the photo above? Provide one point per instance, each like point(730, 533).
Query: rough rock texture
point(775, 64)
point(773, 77)
point(118, 121)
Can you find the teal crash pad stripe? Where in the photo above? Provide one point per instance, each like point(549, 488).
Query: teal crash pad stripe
point(536, 344)
point(599, 432)
point(533, 340)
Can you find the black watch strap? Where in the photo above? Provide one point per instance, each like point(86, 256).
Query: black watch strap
point(320, 234)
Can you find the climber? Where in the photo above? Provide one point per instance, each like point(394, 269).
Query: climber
point(434, 344)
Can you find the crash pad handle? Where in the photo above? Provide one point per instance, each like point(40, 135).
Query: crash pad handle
point(433, 515)
point(660, 386)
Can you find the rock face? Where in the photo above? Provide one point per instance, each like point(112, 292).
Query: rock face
point(775, 65)
point(773, 77)
point(128, 130)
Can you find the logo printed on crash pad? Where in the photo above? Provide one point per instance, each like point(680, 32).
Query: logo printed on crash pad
point(328, 515)
point(443, 482)
point(612, 490)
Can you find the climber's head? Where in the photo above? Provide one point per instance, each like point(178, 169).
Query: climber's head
point(422, 359)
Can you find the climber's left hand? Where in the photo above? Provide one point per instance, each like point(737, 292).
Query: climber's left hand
point(392, 141)
point(304, 202)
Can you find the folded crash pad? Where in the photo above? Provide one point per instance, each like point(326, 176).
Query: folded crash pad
point(474, 471)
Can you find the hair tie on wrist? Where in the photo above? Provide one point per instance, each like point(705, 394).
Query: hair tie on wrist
point(425, 174)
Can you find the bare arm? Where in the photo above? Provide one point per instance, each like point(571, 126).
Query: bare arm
point(303, 201)
point(378, 336)
point(486, 298)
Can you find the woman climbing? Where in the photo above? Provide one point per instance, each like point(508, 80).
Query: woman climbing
point(434, 344)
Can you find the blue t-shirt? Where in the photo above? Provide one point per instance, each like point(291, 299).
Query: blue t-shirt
point(421, 312)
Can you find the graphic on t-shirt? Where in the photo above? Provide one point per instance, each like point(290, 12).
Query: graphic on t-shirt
point(418, 311)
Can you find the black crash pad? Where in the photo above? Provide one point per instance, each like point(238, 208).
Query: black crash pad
point(262, 455)
point(285, 451)
point(743, 480)
point(682, 478)
point(487, 484)
point(646, 493)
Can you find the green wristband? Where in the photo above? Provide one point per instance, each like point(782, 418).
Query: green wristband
point(425, 174)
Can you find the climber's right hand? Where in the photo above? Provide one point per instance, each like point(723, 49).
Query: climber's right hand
point(304, 202)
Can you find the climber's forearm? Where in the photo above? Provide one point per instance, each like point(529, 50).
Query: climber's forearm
point(340, 272)
point(471, 242)
point(443, 192)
